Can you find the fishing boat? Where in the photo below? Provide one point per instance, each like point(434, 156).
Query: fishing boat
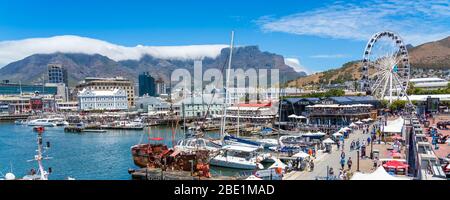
point(237, 157)
point(150, 155)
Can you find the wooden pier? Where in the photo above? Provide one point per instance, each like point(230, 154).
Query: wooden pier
point(158, 174)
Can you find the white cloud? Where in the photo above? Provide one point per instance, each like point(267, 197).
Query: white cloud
point(295, 64)
point(416, 21)
point(329, 56)
point(11, 51)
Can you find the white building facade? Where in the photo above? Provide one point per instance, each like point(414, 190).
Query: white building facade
point(107, 100)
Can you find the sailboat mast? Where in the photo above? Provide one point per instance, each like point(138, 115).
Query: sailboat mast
point(39, 157)
point(222, 132)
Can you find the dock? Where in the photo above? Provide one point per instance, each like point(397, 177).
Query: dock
point(158, 174)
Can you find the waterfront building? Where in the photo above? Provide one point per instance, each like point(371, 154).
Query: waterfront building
point(255, 113)
point(199, 106)
point(351, 100)
point(57, 73)
point(429, 83)
point(102, 100)
point(105, 84)
point(338, 115)
point(296, 106)
point(7, 88)
point(67, 106)
point(146, 85)
point(27, 103)
point(152, 105)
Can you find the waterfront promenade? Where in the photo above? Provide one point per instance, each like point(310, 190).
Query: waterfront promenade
point(332, 159)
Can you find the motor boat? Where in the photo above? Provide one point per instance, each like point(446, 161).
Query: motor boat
point(237, 157)
point(43, 122)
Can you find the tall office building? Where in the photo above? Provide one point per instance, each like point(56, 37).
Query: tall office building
point(161, 87)
point(57, 74)
point(146, 85)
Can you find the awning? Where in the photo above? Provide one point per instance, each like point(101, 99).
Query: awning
point(328, 141)
point(300, 154)
point(337, 134)
point(379, 174)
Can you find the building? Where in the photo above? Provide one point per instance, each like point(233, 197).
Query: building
point(102, 100)
point(429, 83)
point(57, 74)
point(154, 106)
point(161, 87)
point(28, 103)
point(67, 106)
point(255, 113)
point(106, 84)
point(7, 88)
point(146, 85)
point(296, 106)
point(338, 115)
point(199, 106)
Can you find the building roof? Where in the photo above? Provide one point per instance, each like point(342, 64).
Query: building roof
point(206, 99)
point(415, 80)
point(90, 92)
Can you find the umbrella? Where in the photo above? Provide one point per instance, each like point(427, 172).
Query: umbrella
point(352, 125)
point(358, 122)
point(395, 164)
point(300, 117)
point(300, 154)
point(328, 141)
point(292, 116)
point(253, 178)
point(337, 134)
point(396, 137)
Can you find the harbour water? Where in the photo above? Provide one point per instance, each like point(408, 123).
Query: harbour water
point(86, 156)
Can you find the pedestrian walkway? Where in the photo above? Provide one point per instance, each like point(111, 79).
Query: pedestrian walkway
point(331, 160)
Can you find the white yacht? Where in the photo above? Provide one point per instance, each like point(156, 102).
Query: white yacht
point(43, 122)
point(196, 144)
point(238, 157)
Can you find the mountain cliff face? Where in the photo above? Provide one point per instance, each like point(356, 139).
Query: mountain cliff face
point(431, 55)
point(33, 69)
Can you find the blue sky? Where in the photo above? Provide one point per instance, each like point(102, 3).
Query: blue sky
point(321, 34)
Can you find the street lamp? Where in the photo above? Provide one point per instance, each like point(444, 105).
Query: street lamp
point(357, 161)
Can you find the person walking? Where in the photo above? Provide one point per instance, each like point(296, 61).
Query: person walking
point(342, 163)
point(349, 163)
point(342, 154)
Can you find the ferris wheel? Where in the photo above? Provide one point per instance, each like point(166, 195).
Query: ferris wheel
point(385, 67)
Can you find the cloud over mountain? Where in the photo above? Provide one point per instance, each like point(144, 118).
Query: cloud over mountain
point(11, 51)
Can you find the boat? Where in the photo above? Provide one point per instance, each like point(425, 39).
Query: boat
point(233, 140)
point(237, 157)
point(150, 155)
point(60, 121)
point(42, 122)
point(21, 122)
point(196, 144)
point(41, 173)
point(267, 142)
